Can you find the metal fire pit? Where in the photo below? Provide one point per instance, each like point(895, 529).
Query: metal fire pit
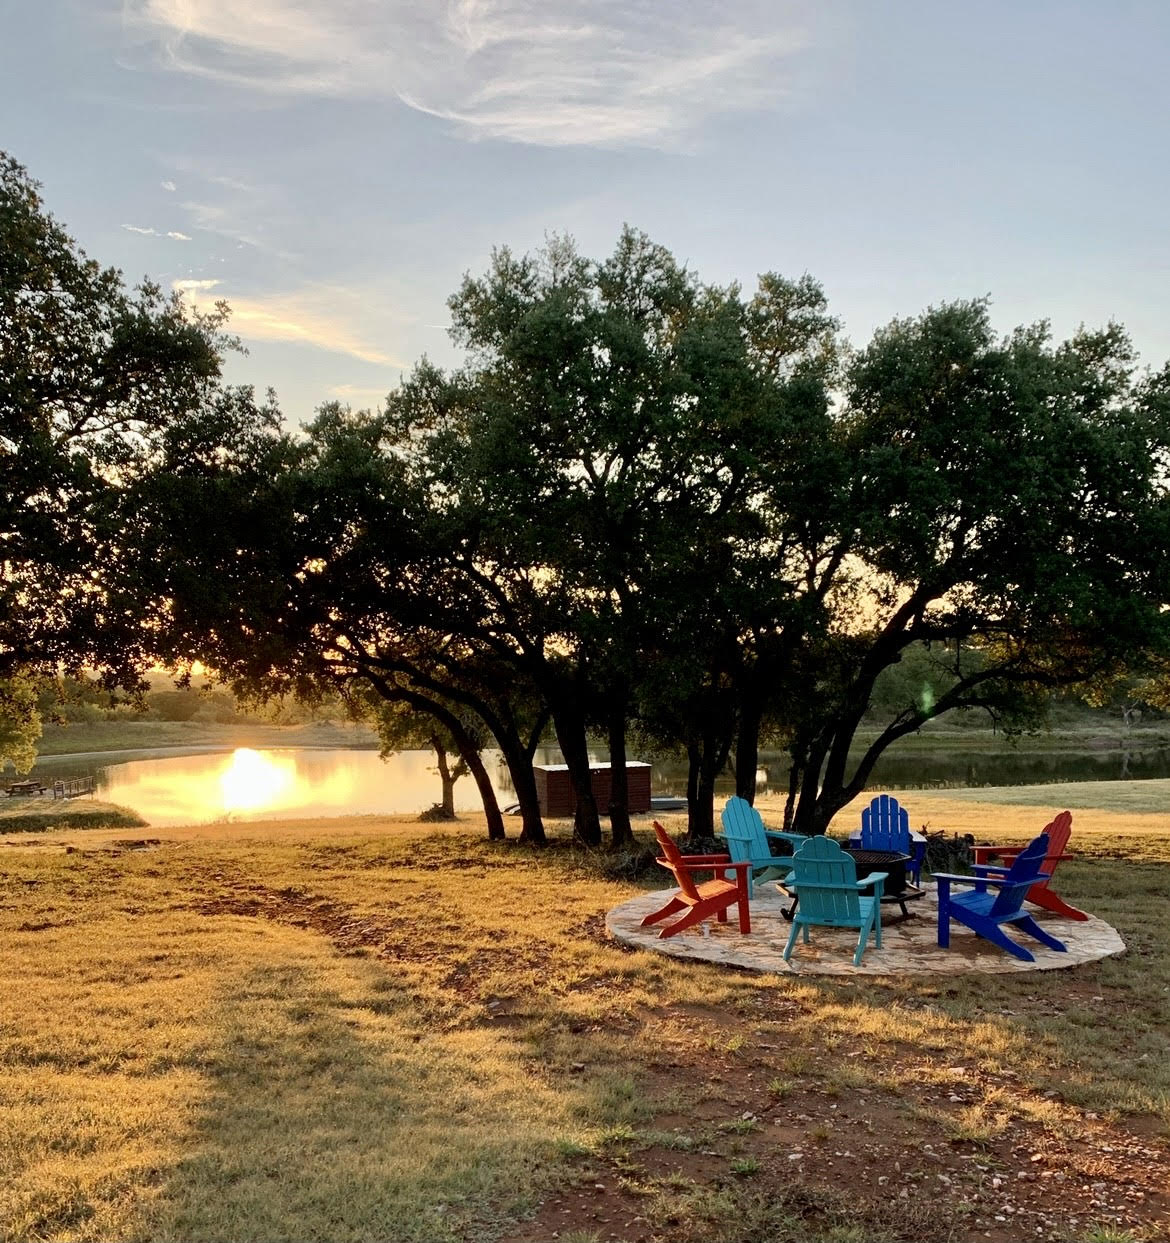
point(896, 888)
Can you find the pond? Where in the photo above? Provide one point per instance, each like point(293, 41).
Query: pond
point(250, 784)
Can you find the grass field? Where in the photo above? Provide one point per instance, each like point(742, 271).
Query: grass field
point(128, 734)
point(366, 1029)
point(39, 815)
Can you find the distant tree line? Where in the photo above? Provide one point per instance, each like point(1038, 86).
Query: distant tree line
point(646, 509)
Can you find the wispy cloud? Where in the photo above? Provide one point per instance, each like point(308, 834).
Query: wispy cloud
point(238, 211)
point(324, 316)
point(168, 186)
point(602, 72)
point(357, 394)
point(148, 232)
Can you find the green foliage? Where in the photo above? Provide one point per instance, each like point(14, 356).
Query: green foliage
point(649, 503)
point(173, 705)
point(20, 722)
point(94, 382)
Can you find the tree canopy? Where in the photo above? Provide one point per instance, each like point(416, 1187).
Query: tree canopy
point(93, 380)
point(645, 503)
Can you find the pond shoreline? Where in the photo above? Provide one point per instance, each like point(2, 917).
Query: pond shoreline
point(153, 777)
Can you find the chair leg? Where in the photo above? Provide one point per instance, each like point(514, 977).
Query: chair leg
point(695, 915)
point(998, 937)
point(791, 941)
point(1043, 896)
point(1032, 928)
point(675, 904)
point(745, 916)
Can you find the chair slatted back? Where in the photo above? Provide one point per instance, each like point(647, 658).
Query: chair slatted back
point(674, 861)
point(825, 876)
point(740, 849)
point(744, 830)
point(885, 825)
point(1020, 877)
point(1058, 834)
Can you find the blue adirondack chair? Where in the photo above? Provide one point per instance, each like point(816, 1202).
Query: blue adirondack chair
point(985, 913)
point(747, 840)
point(824, 878)
point(885, 825)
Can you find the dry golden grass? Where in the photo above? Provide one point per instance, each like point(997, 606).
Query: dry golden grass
point(361, 1029)
point(233, 1037)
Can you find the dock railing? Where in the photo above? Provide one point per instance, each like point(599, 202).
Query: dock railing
point(75, 787)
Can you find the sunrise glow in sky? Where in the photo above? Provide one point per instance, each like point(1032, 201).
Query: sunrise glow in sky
point(333, 167)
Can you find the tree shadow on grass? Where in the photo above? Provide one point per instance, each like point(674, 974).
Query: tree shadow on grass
point(333, 1114)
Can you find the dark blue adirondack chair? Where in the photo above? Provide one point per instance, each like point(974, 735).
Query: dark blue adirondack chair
point(747, 839)
point(986, 913)
point(824, 878)
point(885, 825)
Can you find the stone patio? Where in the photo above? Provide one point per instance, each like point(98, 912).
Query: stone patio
point(909, 946)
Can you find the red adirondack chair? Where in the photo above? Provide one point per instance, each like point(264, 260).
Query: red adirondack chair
point(701, 900)
point(1058, 832)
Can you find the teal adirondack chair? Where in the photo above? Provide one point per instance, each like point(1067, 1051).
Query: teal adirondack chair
point(885, 825)
point(747, 840)
point(824, 877)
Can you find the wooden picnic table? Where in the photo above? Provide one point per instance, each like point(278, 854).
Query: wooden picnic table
point(18, 788)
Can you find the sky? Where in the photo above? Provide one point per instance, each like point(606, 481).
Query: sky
point(333, 168)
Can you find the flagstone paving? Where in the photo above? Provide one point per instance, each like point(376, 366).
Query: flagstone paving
point(909, 945)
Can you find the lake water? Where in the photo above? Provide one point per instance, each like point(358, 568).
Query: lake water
point(256, 784)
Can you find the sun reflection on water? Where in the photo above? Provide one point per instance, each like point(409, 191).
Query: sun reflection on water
point(253, 781)
point(251, 784)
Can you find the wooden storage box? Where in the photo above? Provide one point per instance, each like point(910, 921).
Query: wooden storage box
point(555, 790)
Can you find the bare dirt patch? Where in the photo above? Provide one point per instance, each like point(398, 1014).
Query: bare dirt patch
point(801, 1155)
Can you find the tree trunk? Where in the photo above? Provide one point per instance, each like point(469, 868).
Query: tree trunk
point(707, 757)
point(701, 813)
point(487, 792)
point(448, 803)
point(619, 785)
point(747, 746)
point(694, 759)
point(531, 819)
point(570, 727)
point(519, 762)
point(468, 752)
point(794, 774)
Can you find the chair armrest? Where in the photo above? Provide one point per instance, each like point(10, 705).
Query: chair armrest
point(985, 880)
point(1008, 854)
point(796, 839)
point(706, 860)
point(877, 880)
